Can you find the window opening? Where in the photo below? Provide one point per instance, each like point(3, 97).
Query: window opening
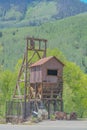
point(52, 72)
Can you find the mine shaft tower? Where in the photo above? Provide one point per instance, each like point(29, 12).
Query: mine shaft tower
point(35, 93)
point(34, 46)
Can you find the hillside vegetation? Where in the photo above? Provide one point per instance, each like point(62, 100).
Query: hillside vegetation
point(14, 13)
point(69, 35)
point(67, 40)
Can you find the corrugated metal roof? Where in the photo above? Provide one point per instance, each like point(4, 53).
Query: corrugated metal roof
point(44, 60)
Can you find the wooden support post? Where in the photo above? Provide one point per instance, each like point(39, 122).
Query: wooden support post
point(48, 109)
point(61, 105)
point(55, 105)
point(25, 88)
point(45, 49)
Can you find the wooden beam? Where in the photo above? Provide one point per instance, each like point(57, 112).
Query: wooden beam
point(36, 39)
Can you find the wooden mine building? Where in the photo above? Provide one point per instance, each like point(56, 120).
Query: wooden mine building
point(43, 79)
point(46, 81)
point(47, 71)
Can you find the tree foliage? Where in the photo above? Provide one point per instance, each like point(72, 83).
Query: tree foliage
point(75, 89)
point(68, 35)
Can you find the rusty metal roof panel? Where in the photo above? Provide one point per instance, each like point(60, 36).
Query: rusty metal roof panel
point(41, 61)
point(44, 60)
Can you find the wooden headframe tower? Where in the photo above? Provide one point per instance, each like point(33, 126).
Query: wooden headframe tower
point(46, 90)
point(35, 47)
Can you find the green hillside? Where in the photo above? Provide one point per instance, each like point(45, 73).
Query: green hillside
point(69, 35)
point(14, 13)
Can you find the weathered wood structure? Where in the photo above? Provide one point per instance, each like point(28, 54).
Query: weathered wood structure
point(41, 80)
point(46, 82)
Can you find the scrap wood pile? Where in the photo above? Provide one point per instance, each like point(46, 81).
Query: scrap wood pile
point(73, 116)
point(58, 115)
point(64, 116)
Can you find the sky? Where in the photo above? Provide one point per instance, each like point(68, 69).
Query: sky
point(85, 1)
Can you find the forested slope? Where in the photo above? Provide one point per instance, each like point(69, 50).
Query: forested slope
point(17, 13)
point(68, 35)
